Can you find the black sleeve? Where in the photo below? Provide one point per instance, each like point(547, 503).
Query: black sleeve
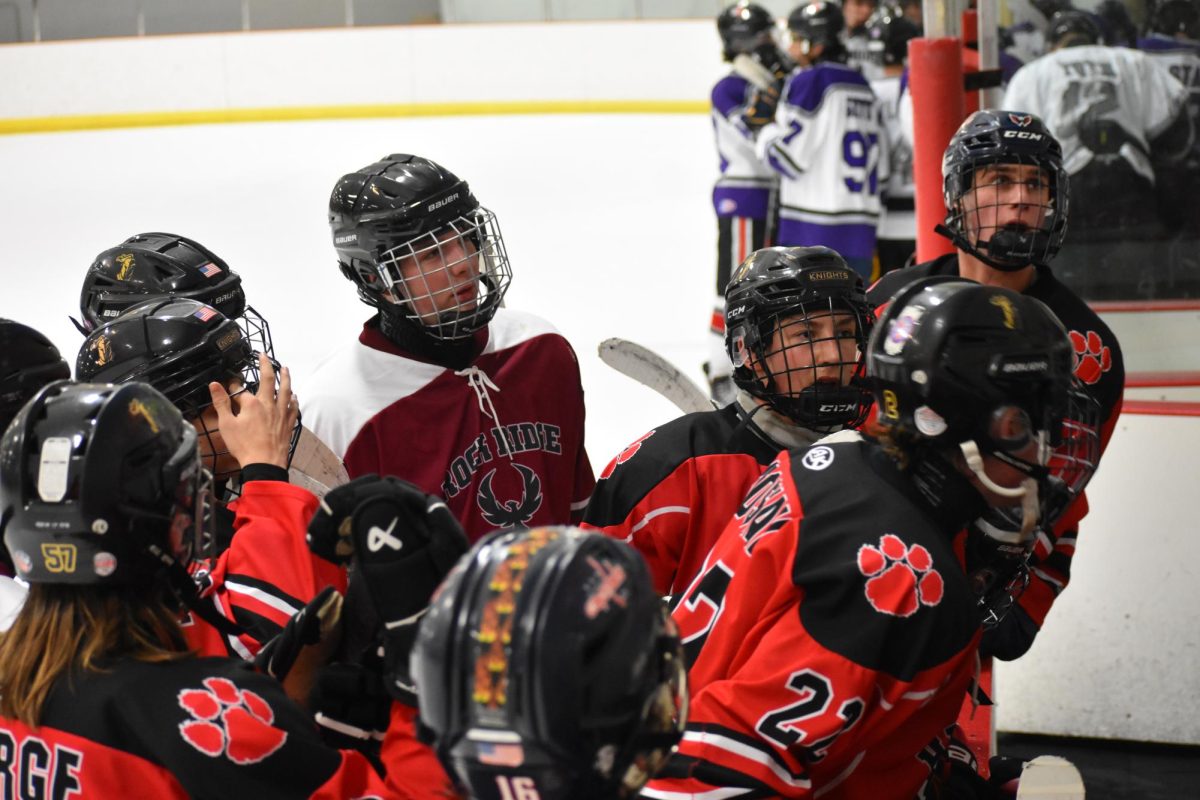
point(1012, 638)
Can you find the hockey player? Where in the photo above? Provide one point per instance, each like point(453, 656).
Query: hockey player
point(1116, 113)
point(857, 14)
point(797, 324)
point(746, 192)
point(826, 144)
point(1173, 40)
point(477, 403)
point(888, 35)
point(101, 504)
point(28, 361)
point(198, 358)
point(548, 668)
point(1006, 194)
point(829, 640)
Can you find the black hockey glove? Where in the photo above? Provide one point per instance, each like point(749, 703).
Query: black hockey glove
point(309, 626)
point(402, 542)
point(997, 557)
point(761, 108)
point(350, 706)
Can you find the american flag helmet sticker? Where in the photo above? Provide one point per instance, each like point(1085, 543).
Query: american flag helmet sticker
point(210, 269)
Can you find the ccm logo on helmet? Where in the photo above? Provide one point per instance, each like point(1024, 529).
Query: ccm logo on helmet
point(1037, 137)
point(442, 202)
point(1025, 366)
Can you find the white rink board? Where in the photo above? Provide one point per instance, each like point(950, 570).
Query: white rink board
point(1119, 652)
point(672, 60)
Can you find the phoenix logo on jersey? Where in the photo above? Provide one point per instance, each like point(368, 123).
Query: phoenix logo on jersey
point(508, 440)
point(510, 513)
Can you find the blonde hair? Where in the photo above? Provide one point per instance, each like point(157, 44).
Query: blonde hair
point(63, 629)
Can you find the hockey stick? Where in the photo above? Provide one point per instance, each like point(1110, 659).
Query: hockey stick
point(315, 467)
point(650, 369)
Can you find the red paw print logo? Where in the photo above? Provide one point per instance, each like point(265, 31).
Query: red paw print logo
point(625, 454)
point(1092, 357)
point(902, 578)
point(229, 721)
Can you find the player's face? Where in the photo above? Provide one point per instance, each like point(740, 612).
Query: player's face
point(441, 276)
point(809, 349)
point(214, 453)
point(1006, 196)
point(856, 12)
point(802, 51)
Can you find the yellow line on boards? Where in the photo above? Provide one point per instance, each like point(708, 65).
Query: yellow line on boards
point(151, 119)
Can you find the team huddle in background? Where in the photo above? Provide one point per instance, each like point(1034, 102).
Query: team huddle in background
point(405, 580)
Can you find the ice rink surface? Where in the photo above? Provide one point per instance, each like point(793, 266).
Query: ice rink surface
point(607, 220)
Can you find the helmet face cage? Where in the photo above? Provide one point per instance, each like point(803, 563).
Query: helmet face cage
point(805, 360)
point(1006, 192)
point(450, 281)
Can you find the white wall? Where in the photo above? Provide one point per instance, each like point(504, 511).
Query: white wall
point(609, 225)
point(393, 65)
point(1117, 657)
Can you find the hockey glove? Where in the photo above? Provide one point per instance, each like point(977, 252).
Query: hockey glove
point(761, 108)
point(310, 625)
point(402, 542)
point(350, 706)
point(998, 562)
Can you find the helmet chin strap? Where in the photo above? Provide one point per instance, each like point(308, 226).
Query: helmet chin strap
point(1027, 492)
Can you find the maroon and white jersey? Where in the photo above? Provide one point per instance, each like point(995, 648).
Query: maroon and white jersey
point(830, 635)
point(501, 441)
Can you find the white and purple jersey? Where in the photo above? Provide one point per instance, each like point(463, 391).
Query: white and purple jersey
point(1080, 90)
point(827, 144)
point(746, 185)
point(1182, 59)
point(897, 218)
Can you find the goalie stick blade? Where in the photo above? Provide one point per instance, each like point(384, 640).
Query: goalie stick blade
point(1050, 778)
point(314, 465)
point(652, 370)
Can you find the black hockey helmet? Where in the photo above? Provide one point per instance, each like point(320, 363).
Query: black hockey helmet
point(1072, 28)
point(992, 137)
point(178, 346)
point(402, 210)
point(743, 26)
point(548, 663)
point(28, 361)
point(820, 23)
point(888, 34)
point(1176, 18)
point(775, 289)
point(953, 362)
point(157, 265)
point(1119, 30)
point(100, 484)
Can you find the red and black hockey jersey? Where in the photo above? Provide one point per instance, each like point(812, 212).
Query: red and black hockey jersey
point(671, 492)
point(831, 634)
point(501, 441)
point(200, 728)
point(1098, 366)
point(268, 573)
